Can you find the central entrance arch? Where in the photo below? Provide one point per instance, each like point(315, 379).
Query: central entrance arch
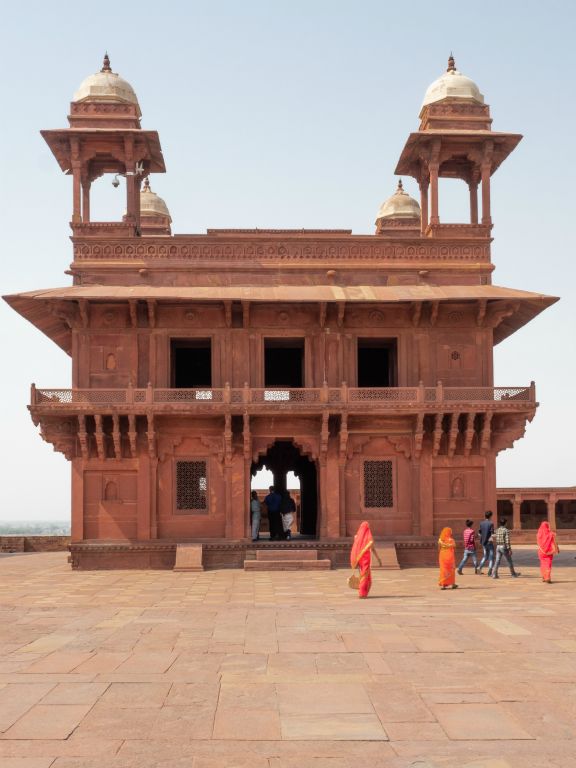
point(284, 456)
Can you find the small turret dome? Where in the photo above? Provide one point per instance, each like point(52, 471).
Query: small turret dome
point(106, 86)
point(399, 206)
point(151, 204)
point(452, 85)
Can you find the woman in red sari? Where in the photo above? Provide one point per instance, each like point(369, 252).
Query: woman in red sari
point(447, 559)
point(361, 557)
point(547, 548)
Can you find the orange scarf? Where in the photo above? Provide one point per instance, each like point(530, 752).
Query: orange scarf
point(446, 558)
point(363, 543)
point(546, 539)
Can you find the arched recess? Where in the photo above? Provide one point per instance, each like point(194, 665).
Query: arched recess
point(283, 456)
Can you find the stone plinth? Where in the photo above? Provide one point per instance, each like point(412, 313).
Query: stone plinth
point(188, 557)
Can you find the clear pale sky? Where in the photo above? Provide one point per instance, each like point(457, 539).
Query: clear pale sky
point(291, 115)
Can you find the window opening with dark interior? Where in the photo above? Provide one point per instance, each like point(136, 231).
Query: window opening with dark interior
point(284, 363)
point(191, 363)
point(377, 363)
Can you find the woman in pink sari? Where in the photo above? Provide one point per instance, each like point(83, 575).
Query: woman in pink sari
point(361, 557)
point(547, 548)
point(447, 559)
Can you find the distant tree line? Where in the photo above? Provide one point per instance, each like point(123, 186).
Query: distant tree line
point(34, 528)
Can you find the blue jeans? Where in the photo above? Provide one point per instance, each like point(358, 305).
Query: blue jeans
point(488, 555)
point(503, 552)
point(468, 553)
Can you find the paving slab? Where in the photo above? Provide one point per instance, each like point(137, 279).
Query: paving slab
point(152, 669)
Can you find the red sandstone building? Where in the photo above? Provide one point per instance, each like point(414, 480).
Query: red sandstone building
point(364, 363)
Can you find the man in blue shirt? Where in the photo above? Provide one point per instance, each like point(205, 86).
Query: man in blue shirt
point(485, 532)
point(273, 502)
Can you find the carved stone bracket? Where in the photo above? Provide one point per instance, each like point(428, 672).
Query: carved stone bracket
point(151, 304)
point(116, 436)
point(151, 435)
point(469, 435)
point(133, 307)
point(99, 435)
point(132, 434)
point(83, 437)
point(434, 312)
point(485, 435)
point(416, 313)
point(247, 437)
point(419, 435)
point(438, 417)
point(344, 436)
point(453, 436)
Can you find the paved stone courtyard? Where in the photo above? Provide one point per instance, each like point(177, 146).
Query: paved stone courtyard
point(284, 670)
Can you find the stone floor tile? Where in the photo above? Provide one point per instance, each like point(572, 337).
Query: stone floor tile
point(415, 732)
point(323, 698)
point(478, 721)
point(130, 695)
point(27, 762)
point(59, 661)
point(395, 703)
point(340, 727)
point(252, 725)
point(16, 699)
point(202, 695)
point(48, 721)
point(75, 693)
point(248, 696)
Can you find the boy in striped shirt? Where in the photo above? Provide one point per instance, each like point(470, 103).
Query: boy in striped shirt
point(469, 547)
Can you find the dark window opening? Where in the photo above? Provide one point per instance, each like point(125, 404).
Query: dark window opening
point(377, 363)
point(566, 513)
point(532, 513)
point(191, 363)
point(284, 363)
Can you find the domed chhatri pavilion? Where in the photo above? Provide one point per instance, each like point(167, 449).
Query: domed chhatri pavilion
point(363, 363)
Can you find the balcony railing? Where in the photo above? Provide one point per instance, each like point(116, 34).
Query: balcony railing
point(282, 398)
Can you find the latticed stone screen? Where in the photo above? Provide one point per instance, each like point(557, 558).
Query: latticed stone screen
point(191, 485)
point(378, 490)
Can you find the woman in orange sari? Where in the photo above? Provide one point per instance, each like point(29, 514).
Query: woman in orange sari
point(447, 559)
point(547, 548)
point(361, 557)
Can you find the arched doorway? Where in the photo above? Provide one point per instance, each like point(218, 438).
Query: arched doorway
point(283, 457)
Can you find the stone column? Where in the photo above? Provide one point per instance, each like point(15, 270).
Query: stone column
point(516, 518)
point(424, 183)
point(434, 216)
point(473, 186)
point(85, 201)
point(551, 503)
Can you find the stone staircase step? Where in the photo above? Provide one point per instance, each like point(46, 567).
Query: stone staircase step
point(286, 554)
point(188, 557)
point(388, 555)
point(287, 565)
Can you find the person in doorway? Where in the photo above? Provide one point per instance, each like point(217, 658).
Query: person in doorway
point(287, 510)
point(273, 501)
point(486, 533)
point(361, 557)
point(503, 549)
point(256, 512)
point(447, 559)
point(547, 548)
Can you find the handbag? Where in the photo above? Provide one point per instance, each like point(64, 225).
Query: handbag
point(354, 580)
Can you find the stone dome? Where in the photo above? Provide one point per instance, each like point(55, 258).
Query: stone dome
point(399, 206)
point(151, 204)
point(452, 85)
point(106, 86)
